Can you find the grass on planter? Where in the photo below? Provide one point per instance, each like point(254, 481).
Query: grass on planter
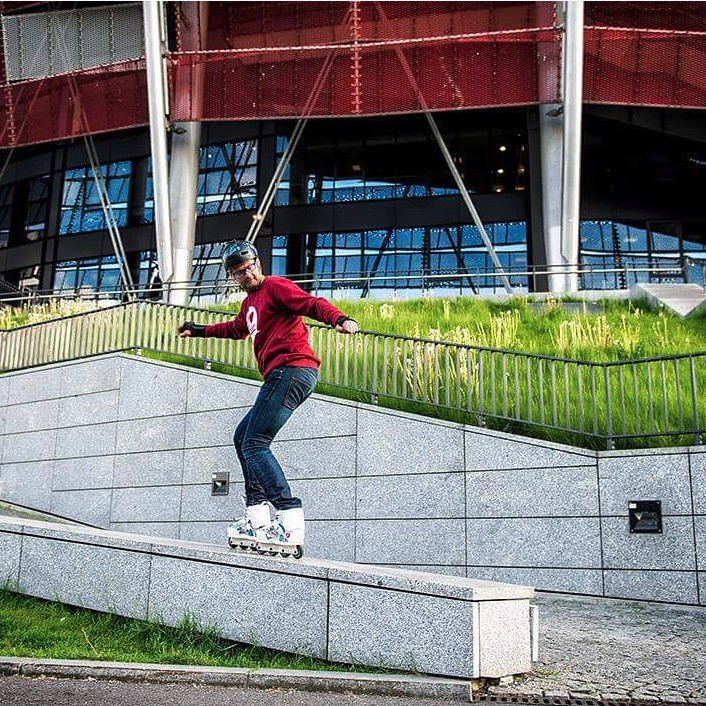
point(31, 627)
point(555, 400)
point(603, 331)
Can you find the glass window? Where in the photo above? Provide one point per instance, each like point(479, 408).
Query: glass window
point(149, 194)
point(37, 208)
point(616, 255)
point(396, 159)
point(227, 177)
point(279, 255)
point(664, 242)
point(81, 209)
point(394, 260)
point(283, 190)
point(94, 274)
point(5, 213)
point(109, 275)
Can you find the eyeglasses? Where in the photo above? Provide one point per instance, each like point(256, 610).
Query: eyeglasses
point(239, 274)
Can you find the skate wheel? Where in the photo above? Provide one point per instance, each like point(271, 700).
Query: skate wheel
point(232, 544)
point(298, 553)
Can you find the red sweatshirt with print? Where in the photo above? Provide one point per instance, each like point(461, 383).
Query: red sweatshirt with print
point(271, 315)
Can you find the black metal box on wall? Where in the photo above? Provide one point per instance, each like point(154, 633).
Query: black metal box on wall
point(645, 516)
point(219, 483)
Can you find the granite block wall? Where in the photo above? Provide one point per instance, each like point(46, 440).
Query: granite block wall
point(130, 444)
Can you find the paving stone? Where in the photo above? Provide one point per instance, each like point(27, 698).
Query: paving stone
point(614, 653)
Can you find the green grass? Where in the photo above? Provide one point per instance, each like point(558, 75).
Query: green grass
point(11, 316)
point(30, 627)
point(619, 330)
point(603, 331)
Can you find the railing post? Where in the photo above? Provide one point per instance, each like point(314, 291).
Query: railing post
point(694, 400)
point(374, 380)
point(609, 414)
point(481, 390)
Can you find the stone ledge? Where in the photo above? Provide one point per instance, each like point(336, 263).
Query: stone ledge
point(380, 617)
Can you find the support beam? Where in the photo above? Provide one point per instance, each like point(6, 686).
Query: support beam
point(551, 134)
point(184, 162)
point(153, 14)
point(183, 184)
point(463, 191)
point(571, 172)
point(551, 145)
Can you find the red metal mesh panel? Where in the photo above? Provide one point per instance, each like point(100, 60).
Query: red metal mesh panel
point(268, 59)
point(646, 53)
point(271, 59)
point(283, 59)
point(99, 100)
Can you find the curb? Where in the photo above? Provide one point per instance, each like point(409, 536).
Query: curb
point(378, 684)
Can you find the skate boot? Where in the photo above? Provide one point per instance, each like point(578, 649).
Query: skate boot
point(285, 535)
point(242, 533)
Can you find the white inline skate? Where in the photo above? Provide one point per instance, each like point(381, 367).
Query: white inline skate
point(285, 536)
point(243, 533)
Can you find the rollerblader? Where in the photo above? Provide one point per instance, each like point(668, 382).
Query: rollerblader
point(271, 314)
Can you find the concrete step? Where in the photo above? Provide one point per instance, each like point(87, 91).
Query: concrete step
point(682, 299)
point(341, 612)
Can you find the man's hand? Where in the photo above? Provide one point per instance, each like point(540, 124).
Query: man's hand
point(189, 328)
point(346, 325)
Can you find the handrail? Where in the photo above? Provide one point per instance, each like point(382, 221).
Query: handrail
point(217, 287)
point(597, 403)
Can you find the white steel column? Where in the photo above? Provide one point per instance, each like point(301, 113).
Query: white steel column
point(571, 173)
point(153, 13)
point(183, 181)
point(560, 137)
point(551, 133)
point(551, 140)
point(184, 165)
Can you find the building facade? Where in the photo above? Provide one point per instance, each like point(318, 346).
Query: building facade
point(328, 110)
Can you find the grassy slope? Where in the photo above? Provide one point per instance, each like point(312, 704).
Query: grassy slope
point(30, 627)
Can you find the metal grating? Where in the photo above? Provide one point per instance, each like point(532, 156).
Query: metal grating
point(568, 699)
point(50, 43)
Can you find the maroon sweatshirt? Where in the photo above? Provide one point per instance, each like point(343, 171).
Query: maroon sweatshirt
point(271, 315)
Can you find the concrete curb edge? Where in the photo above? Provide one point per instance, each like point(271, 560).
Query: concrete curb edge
point(381, 684)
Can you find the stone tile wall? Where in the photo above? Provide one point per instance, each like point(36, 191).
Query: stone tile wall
point(130, 444)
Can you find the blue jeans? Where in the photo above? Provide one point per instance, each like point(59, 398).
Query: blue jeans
point(283, 390)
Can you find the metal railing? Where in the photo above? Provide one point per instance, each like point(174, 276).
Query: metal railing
point(473, 280)
point(597, 404)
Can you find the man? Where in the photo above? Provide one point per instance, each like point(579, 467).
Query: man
point(271, 314)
